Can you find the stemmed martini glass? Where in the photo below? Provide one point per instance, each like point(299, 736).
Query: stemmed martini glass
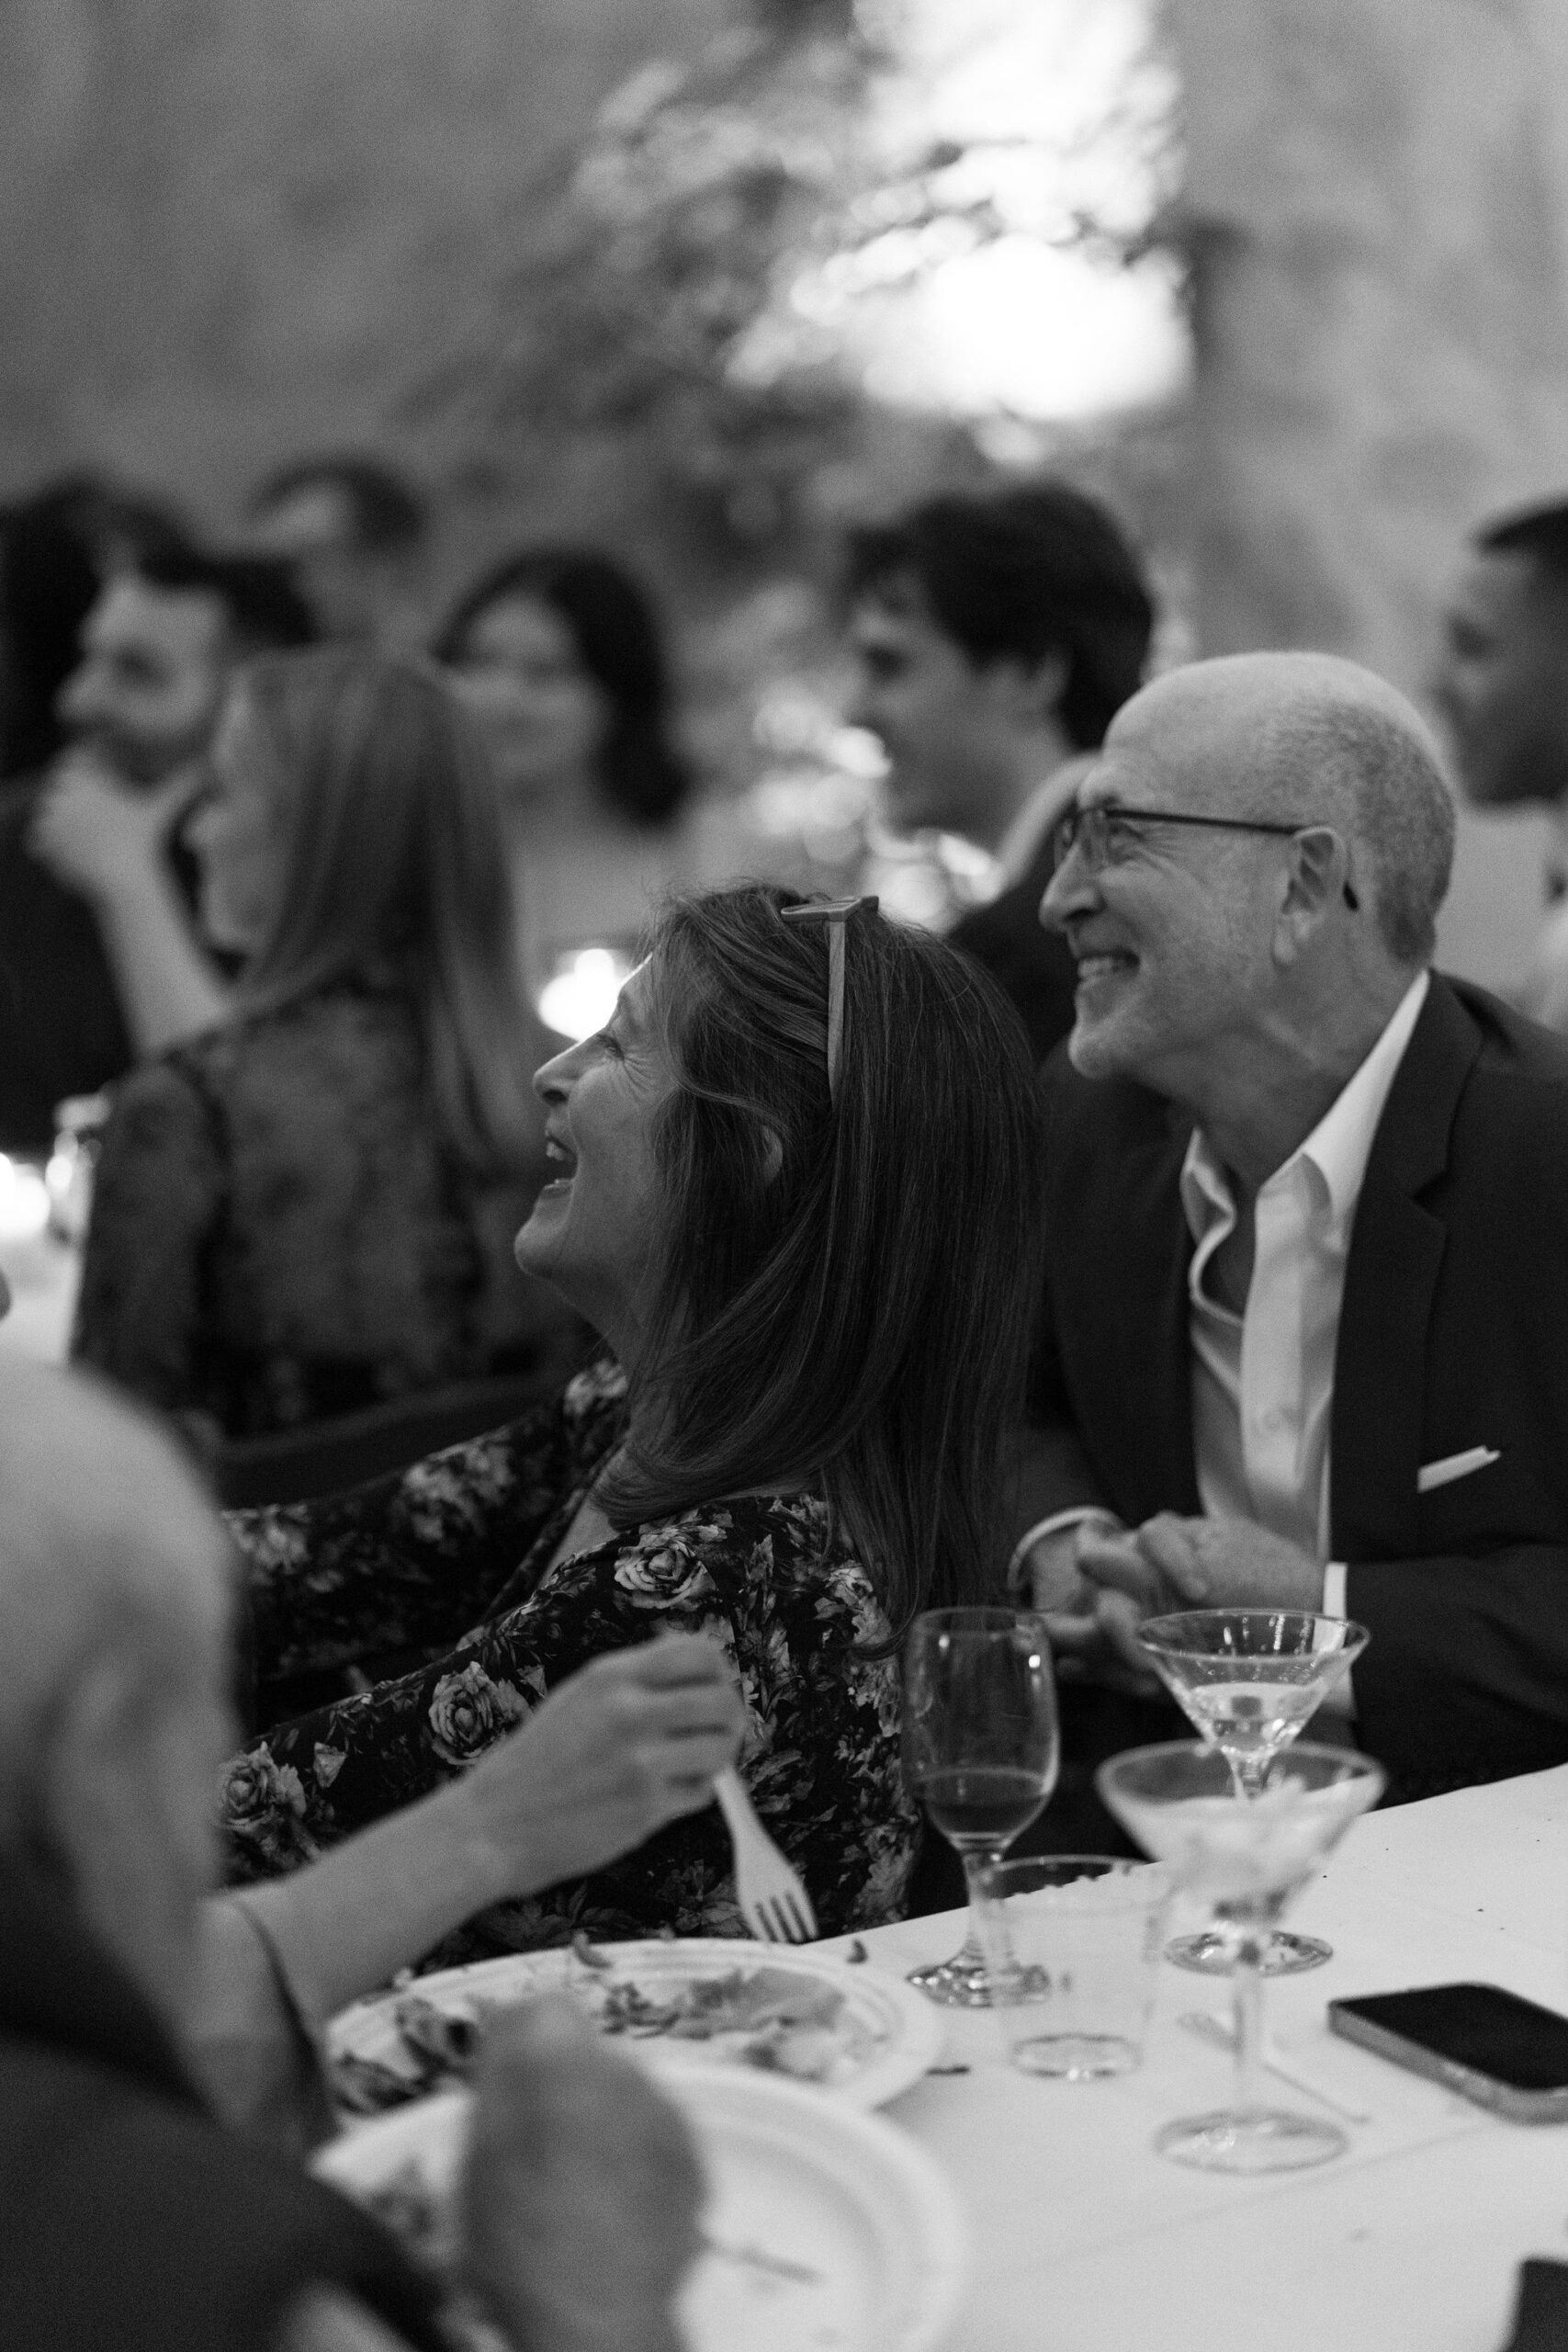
point(1246, 1859)
point(1248, 1679)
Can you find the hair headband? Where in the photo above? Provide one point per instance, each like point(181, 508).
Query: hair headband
point(835, 913)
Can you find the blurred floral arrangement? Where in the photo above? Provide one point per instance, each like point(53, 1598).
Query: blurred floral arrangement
point(677, 280)
point(665, 344)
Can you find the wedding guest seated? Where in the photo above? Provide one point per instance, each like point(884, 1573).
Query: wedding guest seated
point(58, 546)
point(311, 1208)
point(98, 961)
point(1306, 1217)
point(154, 2036)
point(558, 653)
point(996, 633)
point(796, 1193)
point(356, 532)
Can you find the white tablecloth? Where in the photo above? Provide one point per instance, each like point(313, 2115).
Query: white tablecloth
point(1085, 2241)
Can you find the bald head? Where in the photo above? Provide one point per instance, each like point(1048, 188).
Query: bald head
point(1299, 737)
point(114, 1637)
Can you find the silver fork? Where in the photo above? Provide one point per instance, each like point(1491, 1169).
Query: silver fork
point(774, 1902)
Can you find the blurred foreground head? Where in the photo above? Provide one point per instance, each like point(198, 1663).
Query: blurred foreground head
point(1501, 684)
point(1303, 900)
point(114, 1664)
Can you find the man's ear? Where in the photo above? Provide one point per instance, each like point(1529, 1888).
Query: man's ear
point(1032, 691)
point(1314, 883)
point(772, 1154)
point(95, 1739)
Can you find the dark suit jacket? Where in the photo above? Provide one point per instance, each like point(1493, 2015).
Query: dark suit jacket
point(1031, 965)
point(1453, 1334)
point(62, 1030)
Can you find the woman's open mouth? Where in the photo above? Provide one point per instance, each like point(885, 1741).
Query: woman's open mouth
point(564, 1161)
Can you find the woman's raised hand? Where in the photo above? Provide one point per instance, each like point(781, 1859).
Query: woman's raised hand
point(629, 1743)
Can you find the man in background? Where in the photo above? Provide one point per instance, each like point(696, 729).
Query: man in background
point(357, 535)
point(1501, 690)
point(996, 635)
point(99, 963)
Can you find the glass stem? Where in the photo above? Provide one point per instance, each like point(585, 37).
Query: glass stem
point(1246, 1996)
point(974, 1951)
point(1249, 1773)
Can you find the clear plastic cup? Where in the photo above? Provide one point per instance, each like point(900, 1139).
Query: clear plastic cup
point(1073, 1944)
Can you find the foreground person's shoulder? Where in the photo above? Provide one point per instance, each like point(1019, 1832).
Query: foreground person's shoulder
point(326, 2320)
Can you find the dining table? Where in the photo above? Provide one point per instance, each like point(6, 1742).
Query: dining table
point(1084, 2239)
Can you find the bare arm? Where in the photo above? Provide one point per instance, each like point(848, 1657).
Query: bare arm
point(107, 842)
point(325, 2319)
point(630, 1743)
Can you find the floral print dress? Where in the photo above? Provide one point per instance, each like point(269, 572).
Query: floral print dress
point(415, 1558)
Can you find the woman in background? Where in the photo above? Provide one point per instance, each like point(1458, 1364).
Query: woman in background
point(557, 653)
point(310, 1209)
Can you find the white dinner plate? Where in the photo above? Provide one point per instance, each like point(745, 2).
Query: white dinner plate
point(824, 2228)
point(882, 2037)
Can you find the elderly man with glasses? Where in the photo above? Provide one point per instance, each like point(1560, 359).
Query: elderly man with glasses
point(1305, 1338)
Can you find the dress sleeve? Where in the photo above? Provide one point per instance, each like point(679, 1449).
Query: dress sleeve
point(406, 1563)
point(821, 1756)
point(157, 1195)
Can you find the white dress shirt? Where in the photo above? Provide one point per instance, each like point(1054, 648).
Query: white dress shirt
point(1544, 993)
point(1263, 1381)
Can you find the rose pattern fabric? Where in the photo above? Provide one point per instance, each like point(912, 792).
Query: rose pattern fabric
point(446, 1548)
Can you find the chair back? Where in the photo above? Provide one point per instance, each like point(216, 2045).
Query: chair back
point(297, 1466)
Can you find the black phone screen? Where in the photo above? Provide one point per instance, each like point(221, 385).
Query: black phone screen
point(1479, 2026)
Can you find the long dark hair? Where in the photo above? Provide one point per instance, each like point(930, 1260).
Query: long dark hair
point(848, 1291)
point(616, 631)
point(392, 856)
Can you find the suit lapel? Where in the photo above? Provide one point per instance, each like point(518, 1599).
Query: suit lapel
point(1396, 1252)
point(1154, 1353)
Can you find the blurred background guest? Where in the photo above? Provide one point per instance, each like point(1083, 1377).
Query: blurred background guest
point(311, 1208)
point(357, 534)
point(1502, 689)
point(57, 547)
point(997, 635)
point(559, 655)
point(98, 961)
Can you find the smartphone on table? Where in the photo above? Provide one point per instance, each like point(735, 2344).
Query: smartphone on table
point(1502, 2052)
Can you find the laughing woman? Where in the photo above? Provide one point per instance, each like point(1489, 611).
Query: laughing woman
point(796, 1193)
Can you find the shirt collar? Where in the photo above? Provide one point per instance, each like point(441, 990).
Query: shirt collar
point(1338, 1147)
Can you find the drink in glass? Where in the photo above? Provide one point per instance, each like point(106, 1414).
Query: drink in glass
point(1249, 1679)
point(980, 1751)
point(1245, 1856)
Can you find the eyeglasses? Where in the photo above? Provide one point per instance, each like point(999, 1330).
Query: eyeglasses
point(835, 913)
point(1105, 835)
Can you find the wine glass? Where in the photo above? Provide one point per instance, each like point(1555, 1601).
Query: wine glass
point(1248, 1679)
point(1245, 1856)
point(979, 1751)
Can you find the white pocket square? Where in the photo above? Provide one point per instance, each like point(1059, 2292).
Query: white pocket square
point(1454, 1465)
